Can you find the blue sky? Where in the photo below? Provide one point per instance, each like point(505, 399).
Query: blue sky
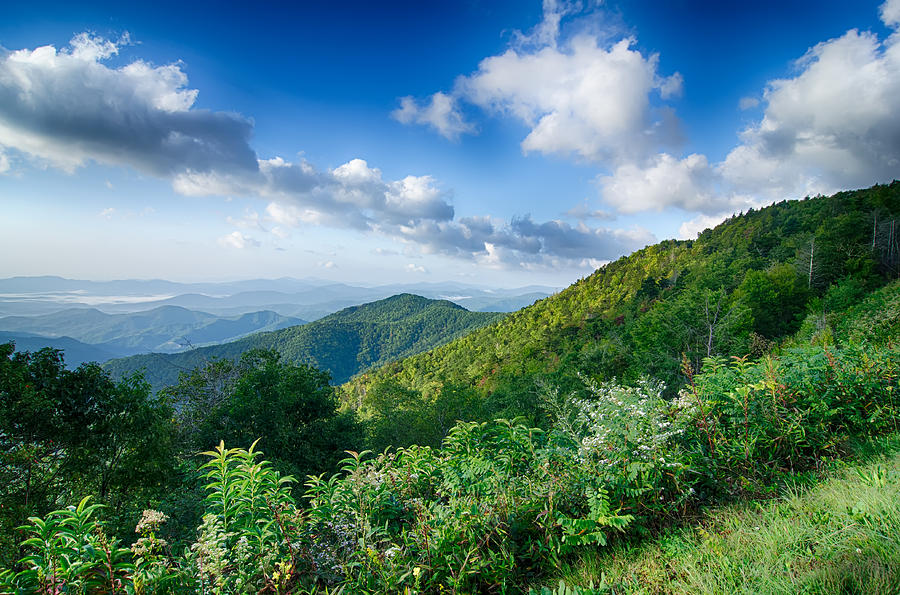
point(501, 143)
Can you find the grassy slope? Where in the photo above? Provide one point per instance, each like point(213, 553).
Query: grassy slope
point(840, 536)
point(342, 343)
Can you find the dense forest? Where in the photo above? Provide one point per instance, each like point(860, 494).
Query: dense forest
point(685, 375)
point(739, 289)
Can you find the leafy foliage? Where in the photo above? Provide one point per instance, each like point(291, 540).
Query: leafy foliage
point(738, 288)
point(668, 380)
point(292, 407)
point(501, 501)
point(68, 432)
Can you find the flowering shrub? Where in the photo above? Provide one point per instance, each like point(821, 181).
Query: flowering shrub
point(631, 436)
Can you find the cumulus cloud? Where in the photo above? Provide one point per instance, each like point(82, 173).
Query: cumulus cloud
point(890, 13)
point(577, 96)
point(583, 99)
point(440, 111)
point(689, 230)
point(238, 240)
point(524, 243)
point(67, 107)
point(832, 126)
point(4, 162)
point(415, 268)
point(688, 183)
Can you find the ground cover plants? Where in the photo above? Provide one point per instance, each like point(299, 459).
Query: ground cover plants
point(836, 536)
point(501, 503)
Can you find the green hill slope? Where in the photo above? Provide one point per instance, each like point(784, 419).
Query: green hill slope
point(737, 289)
point(342, 343)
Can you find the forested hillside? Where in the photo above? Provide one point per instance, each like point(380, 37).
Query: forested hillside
point(738, 289)
point(686, 375)
point(341, 344)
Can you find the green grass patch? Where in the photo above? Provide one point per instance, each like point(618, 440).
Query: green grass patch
point(840, 536)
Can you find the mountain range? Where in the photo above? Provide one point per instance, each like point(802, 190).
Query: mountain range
point(308, 299)
point(162, 329)
point(343, 343)
point(741, 288)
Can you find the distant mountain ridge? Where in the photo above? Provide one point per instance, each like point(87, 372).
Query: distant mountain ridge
point(76, 352)
point(167, 328)
point(343, 343)
point(308, 299)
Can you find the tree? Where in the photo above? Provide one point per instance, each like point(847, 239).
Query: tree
point(292, 409)
point(697, 323)
point(777, 299)
point(68, 433)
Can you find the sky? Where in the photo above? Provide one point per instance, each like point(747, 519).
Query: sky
point(501, 143)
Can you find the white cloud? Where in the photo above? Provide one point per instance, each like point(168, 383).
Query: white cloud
point(582, 99)
point(546, 33)
point(577, 96)
point(440, 112)
point(250, 220)
point(415, 268)
point(832, 126)
point(689, 230)
point(4, 162)
point(890, 13)
point(583, 212)
point(91, 48)
point(748, 103)
point(108, 213)
point(688, 183)
point(66, 107)
point(327, 264)
point(238, 240)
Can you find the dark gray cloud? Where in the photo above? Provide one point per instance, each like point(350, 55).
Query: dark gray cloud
point(524, 243)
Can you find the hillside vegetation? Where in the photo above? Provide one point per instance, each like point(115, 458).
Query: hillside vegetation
point(341, 344)
point(738, 289)
point(568, 435)
point(838, 536)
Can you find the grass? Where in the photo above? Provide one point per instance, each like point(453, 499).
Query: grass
point(840, 536)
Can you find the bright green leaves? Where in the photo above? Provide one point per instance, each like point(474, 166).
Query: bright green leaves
point(245, 538)
point(69, 552)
